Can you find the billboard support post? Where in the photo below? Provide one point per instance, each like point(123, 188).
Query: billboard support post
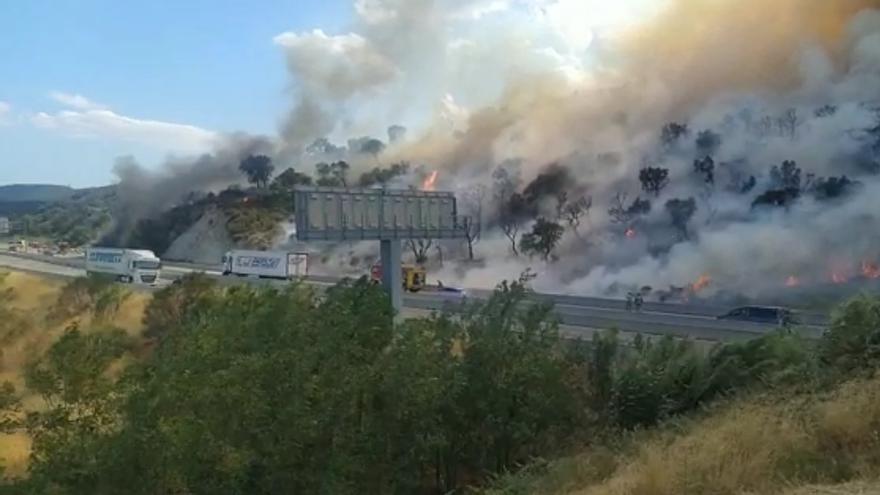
point(391, 272)
point(385, 215)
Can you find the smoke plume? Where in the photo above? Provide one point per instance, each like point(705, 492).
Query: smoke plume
point(576, 103)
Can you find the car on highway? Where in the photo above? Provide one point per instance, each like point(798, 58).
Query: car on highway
point(772, 315)
point(452, 292)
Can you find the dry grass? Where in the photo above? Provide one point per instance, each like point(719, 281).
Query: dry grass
point(810, 445)
point(34, 296)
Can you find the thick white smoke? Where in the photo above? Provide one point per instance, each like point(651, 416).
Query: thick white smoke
point(589, 85)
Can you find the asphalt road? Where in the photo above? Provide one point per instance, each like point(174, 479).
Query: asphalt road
point(580, 316)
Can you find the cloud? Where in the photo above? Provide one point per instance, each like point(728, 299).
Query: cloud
point(5, 109)
point(107, 124)
point(75, 101)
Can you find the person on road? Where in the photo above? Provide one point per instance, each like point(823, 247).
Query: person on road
point(639, 300)
point(629, 301)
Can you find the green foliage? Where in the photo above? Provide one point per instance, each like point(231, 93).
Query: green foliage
point(290, 178)
point(258, 169)
point(853, 340)
point(170, 306)
point(265, 391)
point(70, 434)
point(651, 380)
point(76, 220)
point(94, 293)
point(332, 174)
point(543, 238)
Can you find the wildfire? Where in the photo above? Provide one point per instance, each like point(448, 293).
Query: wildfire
point(839, 278)
point(630, 233)
point(701, 283)
point(870, 270)
point(792, 281)
point(428, 184)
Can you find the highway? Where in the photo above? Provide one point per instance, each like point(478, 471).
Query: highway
point(579, 316)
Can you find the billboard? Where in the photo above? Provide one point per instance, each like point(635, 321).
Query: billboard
point(335, 214)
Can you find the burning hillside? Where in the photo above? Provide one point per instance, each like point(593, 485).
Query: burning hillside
point(608, 152)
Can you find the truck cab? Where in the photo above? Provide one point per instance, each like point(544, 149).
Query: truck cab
point(133, 266)
point(144, 268)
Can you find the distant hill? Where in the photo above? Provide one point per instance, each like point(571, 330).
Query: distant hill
point(34, 193)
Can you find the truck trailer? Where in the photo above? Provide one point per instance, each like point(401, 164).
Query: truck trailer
point(133, 266)
point(266, 264)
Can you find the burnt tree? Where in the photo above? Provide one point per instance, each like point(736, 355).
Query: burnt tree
point(654, 179)
point(680, 213)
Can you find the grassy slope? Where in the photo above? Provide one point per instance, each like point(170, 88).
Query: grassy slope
point(803, 445)
point(34, 296)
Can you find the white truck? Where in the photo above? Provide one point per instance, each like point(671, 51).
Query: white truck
point(137, 266)
point(266, 264)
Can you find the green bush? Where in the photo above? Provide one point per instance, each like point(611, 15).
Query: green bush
point(265, 391)
point(852, 342)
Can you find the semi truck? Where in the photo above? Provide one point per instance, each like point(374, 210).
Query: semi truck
point(266, 264)
point(133, 266)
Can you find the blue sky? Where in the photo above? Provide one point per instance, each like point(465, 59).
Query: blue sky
point(209, 64)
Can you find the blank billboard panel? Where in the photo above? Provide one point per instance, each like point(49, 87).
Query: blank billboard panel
point(335, 214)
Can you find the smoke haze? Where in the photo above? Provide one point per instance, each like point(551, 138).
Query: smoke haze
point(531, 83)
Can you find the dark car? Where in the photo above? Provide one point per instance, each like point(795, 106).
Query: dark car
point(761, 314)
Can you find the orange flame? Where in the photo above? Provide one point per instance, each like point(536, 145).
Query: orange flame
point(701, 283)
point(428, 184)
point(630, 233)
point(792, 281)
point(839, 278)
point(870, 270)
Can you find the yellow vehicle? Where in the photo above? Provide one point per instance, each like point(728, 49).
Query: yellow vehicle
point(413, 276)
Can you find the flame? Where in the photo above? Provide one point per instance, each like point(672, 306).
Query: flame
point(839, 278)
point(870, 270)
point(701, 283)
point(792, 281)
point(428, 184)
point(630, 233)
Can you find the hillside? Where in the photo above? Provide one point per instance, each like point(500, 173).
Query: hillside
point(34, 192)
point(444, 404)
point(75, 220)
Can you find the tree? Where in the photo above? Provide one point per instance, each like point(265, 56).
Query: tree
point(290, 178)
point(420, 249)
point(777, 198)
point(543, 238)
point(708, 142)
point(788, 123)
point(825, 111)
point(473, 219)
point(654, 179)
point(332, 174)
point(706, 168)
point(622, 213)
point(258, 169)
point(573, 211)
point(786, 177)
point(396, 133)
point(373, 147)
point(511, 217)
point(672, 133)
point(322, 147)
point(833, 187)
point(681, 211)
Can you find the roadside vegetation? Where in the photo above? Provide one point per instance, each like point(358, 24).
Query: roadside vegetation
point(260, 390)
